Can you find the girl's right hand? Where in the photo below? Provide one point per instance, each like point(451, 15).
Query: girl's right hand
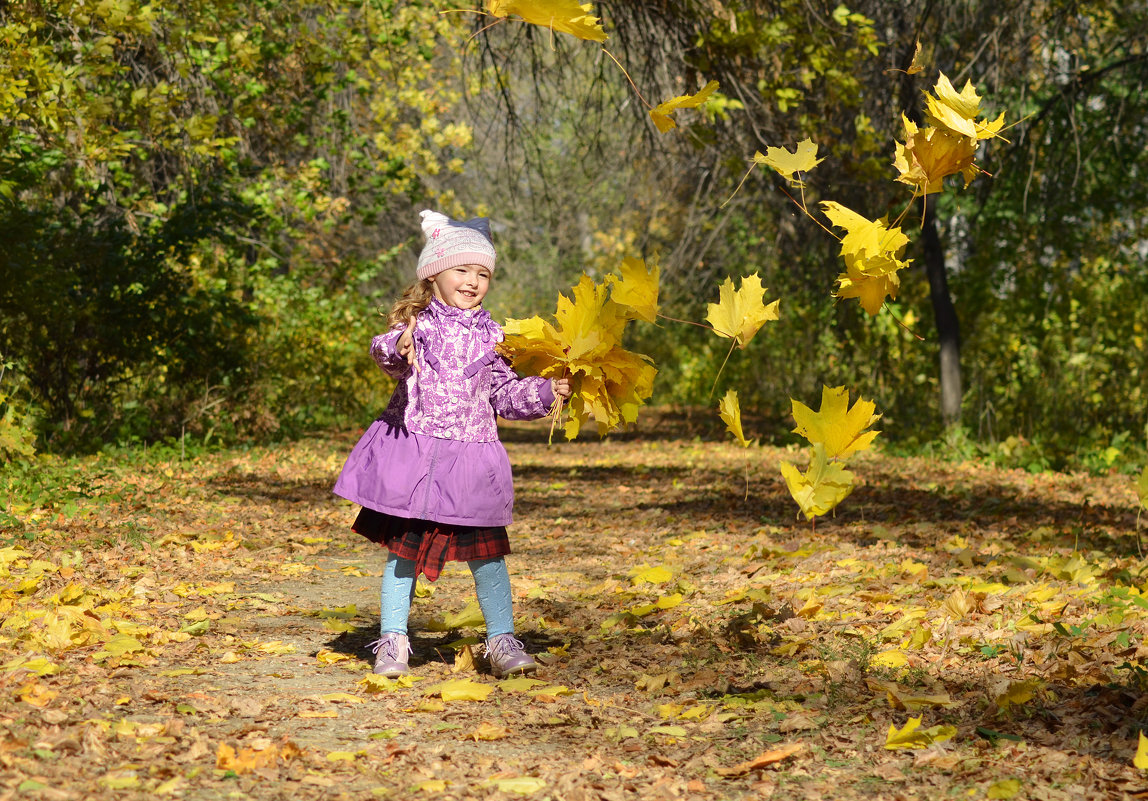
point(406, 344)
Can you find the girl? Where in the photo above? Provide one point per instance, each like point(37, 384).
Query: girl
point(432, 478)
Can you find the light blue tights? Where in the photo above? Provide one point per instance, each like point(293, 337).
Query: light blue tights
point(491, 582)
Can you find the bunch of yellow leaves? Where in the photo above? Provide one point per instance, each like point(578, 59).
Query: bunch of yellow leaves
point(566, 16)
point(835, 433)
point(872, 252)
point(584, 343)
point(948, 145)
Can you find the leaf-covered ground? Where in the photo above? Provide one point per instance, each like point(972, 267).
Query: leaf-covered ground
point(197, 629)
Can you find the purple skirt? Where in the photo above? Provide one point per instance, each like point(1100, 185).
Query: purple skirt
point(393, 471)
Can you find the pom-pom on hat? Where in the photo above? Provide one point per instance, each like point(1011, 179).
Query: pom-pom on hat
point(452, 243)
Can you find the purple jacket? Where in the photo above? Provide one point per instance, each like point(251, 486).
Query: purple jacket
point(434, 453)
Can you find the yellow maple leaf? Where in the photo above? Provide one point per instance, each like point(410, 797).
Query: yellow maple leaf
point(957, 111)
point(460, 690)
point(661, 112)
point(567, 16)
point(867, 240)
point(913, 736)
point(870, 290)
point(1141, 759)
point(930, 154)
point(836, 426)
point(740, 314)
point(821, 487)
point(802, 159)
point(1142, 488)
point(636, 289)
point(730, 412)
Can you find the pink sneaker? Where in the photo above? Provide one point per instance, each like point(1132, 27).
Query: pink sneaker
point(391, 653)
point(507, 655)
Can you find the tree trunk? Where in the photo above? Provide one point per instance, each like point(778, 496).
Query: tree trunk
point(945, 314)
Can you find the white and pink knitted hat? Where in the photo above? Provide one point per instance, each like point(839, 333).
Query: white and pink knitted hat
point(452, 243)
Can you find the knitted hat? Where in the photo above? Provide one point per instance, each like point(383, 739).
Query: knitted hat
point(452, 243)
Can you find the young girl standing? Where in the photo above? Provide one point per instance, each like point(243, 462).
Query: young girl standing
point(431, 475)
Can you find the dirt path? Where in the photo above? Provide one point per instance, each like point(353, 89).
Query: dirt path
point(699, 641)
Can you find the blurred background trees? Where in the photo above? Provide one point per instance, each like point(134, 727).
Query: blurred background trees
point(205, 201)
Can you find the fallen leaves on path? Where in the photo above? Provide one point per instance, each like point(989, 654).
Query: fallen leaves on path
point(199, 630)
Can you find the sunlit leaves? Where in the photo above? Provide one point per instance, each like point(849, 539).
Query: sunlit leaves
point(660, 113)
point(872, 251)
point(739, 314)
point(460, 690)
point(929, 155)
point(835, 432)
point(957, 111)
point(608, 382)
point(821, 487)
point(567, 16)
point(841, 429)
point(786, 164)
point(1142, 489)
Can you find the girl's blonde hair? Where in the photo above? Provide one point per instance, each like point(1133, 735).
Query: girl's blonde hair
point(415, 298)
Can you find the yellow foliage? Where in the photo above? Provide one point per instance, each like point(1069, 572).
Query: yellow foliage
point(607, 381)
point(740, 314)
point(913, 736)
point(802, 159)
point(730, 412)
point(823, 485)
point(567, 16)
point(840, 429)
point(660, 113)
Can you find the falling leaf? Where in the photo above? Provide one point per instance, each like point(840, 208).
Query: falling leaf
point(915, 65)
point(761, 761)
point(660, 114)
point(566, 16)
point(957, 111)
point(1142, 488)
point(460, 690)
point(740, 314)
point(823, 485)
point(913, 736)
point(730, 412)
point(838, 427)
point(929, 155)
point(802, 159)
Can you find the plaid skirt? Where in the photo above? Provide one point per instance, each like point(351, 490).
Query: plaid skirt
point(431, 545)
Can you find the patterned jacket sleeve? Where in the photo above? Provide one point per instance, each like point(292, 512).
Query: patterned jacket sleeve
point(515, 398)
point(385, 353)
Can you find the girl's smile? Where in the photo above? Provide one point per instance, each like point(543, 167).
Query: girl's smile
point(463, 287)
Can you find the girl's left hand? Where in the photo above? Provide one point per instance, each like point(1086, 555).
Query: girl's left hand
point(560, 387)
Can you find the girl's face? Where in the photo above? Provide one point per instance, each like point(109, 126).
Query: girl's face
point(462, 287)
